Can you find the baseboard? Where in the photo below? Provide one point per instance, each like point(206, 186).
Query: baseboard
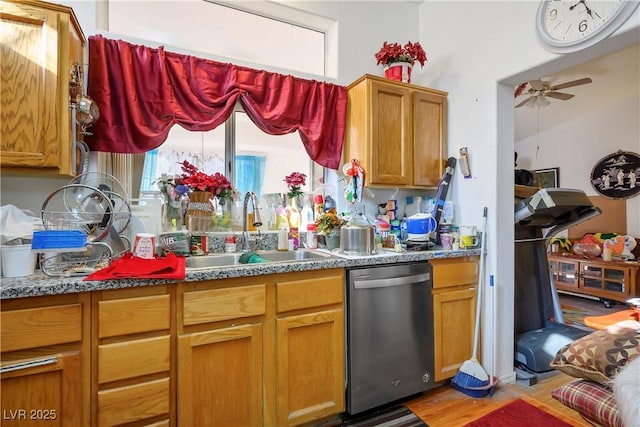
point(509, 378)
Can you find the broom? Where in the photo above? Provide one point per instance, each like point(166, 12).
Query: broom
point(471, 373)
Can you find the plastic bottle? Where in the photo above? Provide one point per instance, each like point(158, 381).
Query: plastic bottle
point(318, 206)
point(447, 214)
point(404, 235)
point(306, 216)
point(294, 235)
point(329, 203)
point(283, 238)
point(312, 236)
point(272, 220)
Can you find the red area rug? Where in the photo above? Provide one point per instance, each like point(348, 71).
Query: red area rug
point(518, 413)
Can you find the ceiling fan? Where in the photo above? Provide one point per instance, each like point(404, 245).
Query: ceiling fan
point(539, 90)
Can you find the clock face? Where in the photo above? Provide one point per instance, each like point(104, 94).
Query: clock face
point(568, 26)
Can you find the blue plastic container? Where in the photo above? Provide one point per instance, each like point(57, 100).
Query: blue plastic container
point(58, 239)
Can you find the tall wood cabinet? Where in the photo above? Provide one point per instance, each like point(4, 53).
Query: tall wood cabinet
point(39, 44)
point(397, 131)
point(455, 283)
point(612, 280)
point(45, 361)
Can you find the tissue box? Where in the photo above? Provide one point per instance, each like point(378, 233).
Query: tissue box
point(58, 239)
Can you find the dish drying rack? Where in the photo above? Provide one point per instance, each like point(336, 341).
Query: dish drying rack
point(68, 262)
point(90, 205)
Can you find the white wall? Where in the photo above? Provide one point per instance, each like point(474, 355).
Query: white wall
point(601, 119)
point(491, 48)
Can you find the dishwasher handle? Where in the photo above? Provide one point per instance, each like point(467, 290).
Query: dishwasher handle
point(363, 282)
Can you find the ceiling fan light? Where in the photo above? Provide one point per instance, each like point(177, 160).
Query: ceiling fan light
point(542, 101)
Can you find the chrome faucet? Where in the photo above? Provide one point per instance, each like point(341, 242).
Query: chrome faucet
point(257, 221)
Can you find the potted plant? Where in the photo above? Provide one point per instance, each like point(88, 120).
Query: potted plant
point(206, 188)
point(329, 224)
point(399, 60)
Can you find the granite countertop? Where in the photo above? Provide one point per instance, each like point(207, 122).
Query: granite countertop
point(40, 284)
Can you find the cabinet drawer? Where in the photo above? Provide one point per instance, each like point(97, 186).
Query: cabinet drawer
point(133, 402)
point(454, 272)
point(224, 304)
point(313, 292)
point(39, 327)
point(133, 358)
point(133, 315)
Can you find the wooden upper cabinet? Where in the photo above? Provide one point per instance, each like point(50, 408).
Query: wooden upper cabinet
point(397, 131)
point(39, 44)
point(429, 138)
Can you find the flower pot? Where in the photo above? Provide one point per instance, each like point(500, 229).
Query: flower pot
point(400, 71)
point(199, 215)
point(332, 241)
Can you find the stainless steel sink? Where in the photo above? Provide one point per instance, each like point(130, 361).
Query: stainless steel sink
point(214, 260)
point(228, 260)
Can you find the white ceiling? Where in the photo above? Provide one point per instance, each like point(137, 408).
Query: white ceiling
point(614, 76)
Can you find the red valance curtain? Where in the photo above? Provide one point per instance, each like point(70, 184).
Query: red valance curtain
point(142, 92)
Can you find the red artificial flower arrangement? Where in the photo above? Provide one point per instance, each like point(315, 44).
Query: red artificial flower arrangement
point(410, 52)
point(295, 181)
point(194, 178)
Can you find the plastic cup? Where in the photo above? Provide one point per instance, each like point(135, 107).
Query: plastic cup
point(18, 260)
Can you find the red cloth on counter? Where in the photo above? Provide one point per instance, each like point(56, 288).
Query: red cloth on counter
point(131, 267)
point(142, 92)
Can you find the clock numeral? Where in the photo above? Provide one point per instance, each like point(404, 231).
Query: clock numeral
point(553, 14)
point(583, 26)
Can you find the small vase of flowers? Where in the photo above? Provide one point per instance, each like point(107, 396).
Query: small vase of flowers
point(329, 224)
point(174, 200)
point(209, 207)
point(398, 60)
point(295, 181)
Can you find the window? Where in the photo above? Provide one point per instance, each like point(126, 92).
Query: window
point(251, 159)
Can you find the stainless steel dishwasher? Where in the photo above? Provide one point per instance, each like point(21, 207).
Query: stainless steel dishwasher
point(389, 334)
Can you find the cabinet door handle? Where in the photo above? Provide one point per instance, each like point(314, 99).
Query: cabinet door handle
point(29, 364)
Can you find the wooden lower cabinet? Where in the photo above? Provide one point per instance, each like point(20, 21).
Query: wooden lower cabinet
point(220, 377)
point(309, 348)
point(267, 350)
point(254, 351)
point(133, 356)
point(455, 282)
point(45, 361)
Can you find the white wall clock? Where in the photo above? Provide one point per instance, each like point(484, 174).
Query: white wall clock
point(570, 26)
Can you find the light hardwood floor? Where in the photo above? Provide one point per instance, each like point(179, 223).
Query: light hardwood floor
point(447, 407)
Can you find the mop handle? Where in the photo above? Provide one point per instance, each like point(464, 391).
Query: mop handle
point(476, 336)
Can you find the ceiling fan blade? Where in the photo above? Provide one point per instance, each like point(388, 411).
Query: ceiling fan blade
point(537, 84)
point(572, 83)
point(525, 101)
point(560, 95)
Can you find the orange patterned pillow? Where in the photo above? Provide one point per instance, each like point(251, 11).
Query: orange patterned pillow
point(600, 355)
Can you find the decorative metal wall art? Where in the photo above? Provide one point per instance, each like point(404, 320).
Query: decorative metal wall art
point(616, 175)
